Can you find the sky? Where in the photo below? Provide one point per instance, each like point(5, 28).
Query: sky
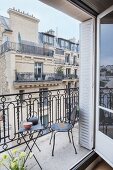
point(50, 18)
point(106, 44)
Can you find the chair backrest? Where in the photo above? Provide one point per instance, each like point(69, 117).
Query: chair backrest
point(73, 115)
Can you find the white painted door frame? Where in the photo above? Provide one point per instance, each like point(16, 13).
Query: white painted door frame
point(103, 144)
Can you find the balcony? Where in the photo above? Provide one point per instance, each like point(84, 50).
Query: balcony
point(28, 80)
point(63, 62)
point(31, 77)
point(49, 108)
point(59, 51)
point(25, 49)
point(17, 108)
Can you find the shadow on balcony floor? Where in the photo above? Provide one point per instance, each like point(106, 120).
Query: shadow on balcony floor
point(64, 157)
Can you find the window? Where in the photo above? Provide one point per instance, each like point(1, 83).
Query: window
point(51, 40)
point(38, 70)
point(75, 72)
point(21, 95)
point(62, 43)
point(59, 51)
point(106, 76)
point(75, 85)
point(69, 85)
point(67, 58)
point(67, 44)
point(43, 97)
point(74, 60)
point(68, 71)
point(48, 39)
point(73, 47)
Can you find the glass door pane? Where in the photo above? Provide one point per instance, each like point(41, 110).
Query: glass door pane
point(104, 110)
point(106, 75)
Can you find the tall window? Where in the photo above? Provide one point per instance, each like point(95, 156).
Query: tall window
point(43, 97)
point(67, 58)
point(62, 43)
point(73, 47)
point(74, 60)
point(67, 44)
point(21, 95)
point(49, 39)
point(38, 70)
point(75, 72)
point(68, 71)
point(106, 76)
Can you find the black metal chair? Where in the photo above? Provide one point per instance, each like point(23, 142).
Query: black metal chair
point(66, 126)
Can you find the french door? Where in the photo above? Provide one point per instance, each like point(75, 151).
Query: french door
point(104, 100)
point(38, 70)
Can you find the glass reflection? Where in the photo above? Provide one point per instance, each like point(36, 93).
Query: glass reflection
point(106, 61)
point(106, 123)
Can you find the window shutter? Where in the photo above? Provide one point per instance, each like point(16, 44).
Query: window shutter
point(86, 96)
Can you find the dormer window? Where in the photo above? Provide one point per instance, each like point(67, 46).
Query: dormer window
point(67, 58)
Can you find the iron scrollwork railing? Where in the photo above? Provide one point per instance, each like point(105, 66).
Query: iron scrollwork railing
point(106, 97)
point(48, 106)
point(106, 117)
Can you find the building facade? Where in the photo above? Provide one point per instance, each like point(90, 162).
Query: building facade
point(31, 61)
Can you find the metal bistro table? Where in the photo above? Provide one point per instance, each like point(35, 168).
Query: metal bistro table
point(24, 132)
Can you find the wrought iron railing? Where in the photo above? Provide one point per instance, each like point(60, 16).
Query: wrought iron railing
point(106, 116)
point(26, 49)
point(31, 77)
point(47, 106)
point(106, 97)
point(59, 51)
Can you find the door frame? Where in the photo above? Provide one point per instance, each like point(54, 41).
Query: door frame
point(107, 11)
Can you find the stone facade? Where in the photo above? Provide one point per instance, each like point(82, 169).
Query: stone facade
point(4, 89)
point(24, 24)
point(21, 53)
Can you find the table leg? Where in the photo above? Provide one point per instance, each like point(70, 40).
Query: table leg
point(30, 149)
point(35, 144)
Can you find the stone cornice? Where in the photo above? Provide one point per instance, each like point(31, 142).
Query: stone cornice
point(23, 14)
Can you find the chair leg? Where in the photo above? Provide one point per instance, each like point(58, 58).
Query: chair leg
point(73, 142)
point(53, 144)
point(69, 137)
point(51, 137)
point(106, 129)
point(103, 129)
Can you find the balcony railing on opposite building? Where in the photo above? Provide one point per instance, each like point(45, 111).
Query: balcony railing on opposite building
point(26, 49)
point(31, 77)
